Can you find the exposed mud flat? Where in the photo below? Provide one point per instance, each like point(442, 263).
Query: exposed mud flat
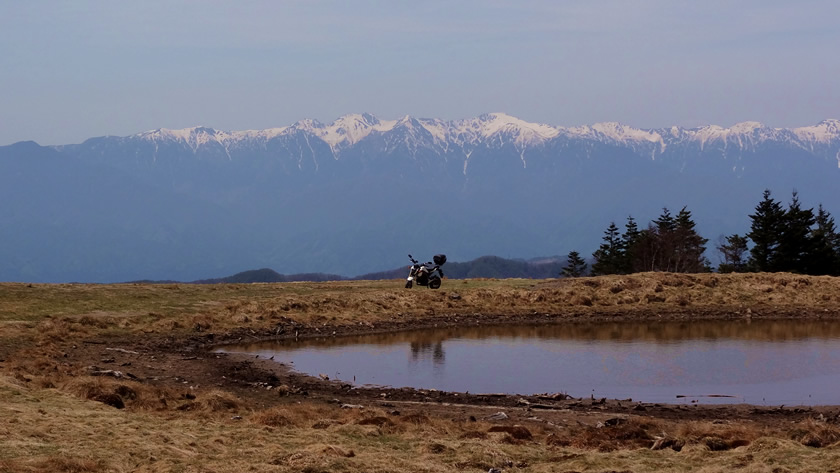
point(191, 360)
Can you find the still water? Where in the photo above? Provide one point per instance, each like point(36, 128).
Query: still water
point(759, 362)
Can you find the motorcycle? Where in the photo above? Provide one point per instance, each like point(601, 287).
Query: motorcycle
point(425, 274)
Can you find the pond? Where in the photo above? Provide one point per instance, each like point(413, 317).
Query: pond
point(791, 362)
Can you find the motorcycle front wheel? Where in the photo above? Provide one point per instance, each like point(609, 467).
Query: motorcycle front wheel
point(408, 284)
point(434, 283)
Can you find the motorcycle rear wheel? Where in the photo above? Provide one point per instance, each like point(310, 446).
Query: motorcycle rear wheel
point(434, 283)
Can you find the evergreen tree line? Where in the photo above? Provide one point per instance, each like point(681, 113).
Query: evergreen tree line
point(669, 243)
point(793, 240)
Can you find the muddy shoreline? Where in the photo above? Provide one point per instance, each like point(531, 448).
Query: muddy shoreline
point(191, 361)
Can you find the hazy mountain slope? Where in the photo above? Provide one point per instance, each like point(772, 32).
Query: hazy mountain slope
point(356, 195)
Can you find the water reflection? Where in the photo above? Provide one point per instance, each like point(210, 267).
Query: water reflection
point(427, 350)
point(760, 362)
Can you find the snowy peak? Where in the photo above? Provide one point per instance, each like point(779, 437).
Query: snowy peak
point(184, 134)
point(194, 137)
point(498, 129)
point(525, 132)
point(308, 124)
point(348, 130)
point(823, 132)
point(407, 122)
point(746, 127)
point(744, 134)
point(618, 132)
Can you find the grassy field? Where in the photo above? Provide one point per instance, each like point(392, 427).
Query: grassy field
point(56, 417)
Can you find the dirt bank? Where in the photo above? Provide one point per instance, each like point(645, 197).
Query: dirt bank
point(192, 360)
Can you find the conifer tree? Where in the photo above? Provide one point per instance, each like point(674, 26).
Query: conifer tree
point(689, 246)
point(646, 250)
point(575, 266)
point(629, 239)
point(665, 223)
point(795, 243)
point(664, 241)
point(733, 250)
point(609, 255)
point(668, 244)
point(825, 245)
point(765, 231)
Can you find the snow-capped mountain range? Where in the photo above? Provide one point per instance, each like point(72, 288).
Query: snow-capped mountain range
point(498, 129)
point(355, 195)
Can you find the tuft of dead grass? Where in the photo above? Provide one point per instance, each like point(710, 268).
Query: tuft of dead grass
point(817, 434)
point(436, 448)
point(718, 436)
point(629, 434)
point(379, 421)
point(274, 417)
point(117, 393)
point(219, 401)
point(518, 432)
point(338, 451)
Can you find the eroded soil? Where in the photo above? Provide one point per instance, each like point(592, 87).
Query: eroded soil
point(191, 362)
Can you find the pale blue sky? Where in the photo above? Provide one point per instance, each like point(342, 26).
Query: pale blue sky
point(70, 70)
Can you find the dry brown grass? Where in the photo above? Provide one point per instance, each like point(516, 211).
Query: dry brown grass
point(817, 434)
point(55, 431)
point(718, 436)
point(60, 312)
point(54, 417)
point(629, 434)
